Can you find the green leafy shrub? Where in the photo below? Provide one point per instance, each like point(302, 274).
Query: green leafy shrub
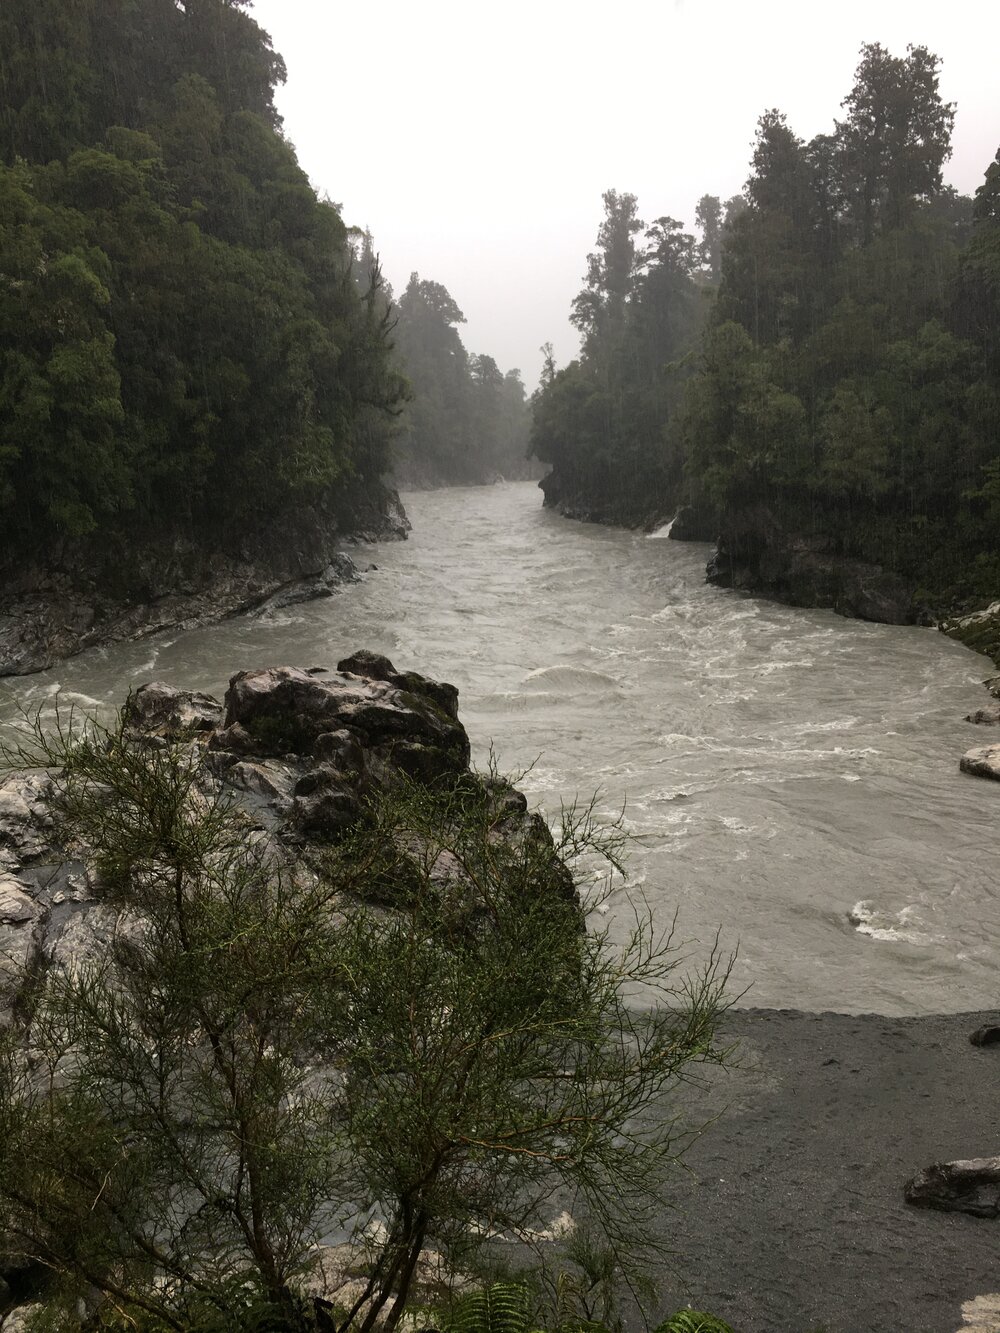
point(261, 1054)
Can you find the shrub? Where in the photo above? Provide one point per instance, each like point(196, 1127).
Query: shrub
point(263, 1057)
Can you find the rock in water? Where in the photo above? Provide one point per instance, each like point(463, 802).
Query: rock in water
point(971, 1186)
point(982, 762)
point(985, 717)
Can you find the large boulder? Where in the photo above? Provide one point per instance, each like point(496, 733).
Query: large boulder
point(408, 721)
point(157, 709)
point(303, 751)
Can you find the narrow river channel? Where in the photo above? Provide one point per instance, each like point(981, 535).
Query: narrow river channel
point(788, 776)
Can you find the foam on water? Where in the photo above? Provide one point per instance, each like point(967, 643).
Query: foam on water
point(889, 927)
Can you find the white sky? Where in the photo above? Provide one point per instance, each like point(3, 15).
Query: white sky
point(476, 140)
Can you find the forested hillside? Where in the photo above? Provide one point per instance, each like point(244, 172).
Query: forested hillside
point(607, 422)
point(467, 421)
point(839, 432)
point(184, 349)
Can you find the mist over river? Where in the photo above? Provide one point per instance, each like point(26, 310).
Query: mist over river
point(788, 775)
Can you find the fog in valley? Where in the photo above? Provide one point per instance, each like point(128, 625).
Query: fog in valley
point(475, 142)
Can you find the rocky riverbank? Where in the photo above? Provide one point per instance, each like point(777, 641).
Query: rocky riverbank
point(92, 593)
point(303, 752)
point(759, 558)
point(610, 503)
point(303, 749)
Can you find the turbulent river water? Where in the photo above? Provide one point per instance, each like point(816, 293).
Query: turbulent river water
point(788, 776)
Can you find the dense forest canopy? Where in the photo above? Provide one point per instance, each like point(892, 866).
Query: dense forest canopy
point(845, 389)
point(183, 343)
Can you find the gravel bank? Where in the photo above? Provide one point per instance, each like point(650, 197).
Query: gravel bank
point(794, 1220)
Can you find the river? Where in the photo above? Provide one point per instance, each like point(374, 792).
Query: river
point(787, 776)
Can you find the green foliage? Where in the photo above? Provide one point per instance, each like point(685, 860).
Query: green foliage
point(847, 392)
point(502, 1307)
point(184, 348)
point(606, 422)
point(262, 1054)
point(691, 1321)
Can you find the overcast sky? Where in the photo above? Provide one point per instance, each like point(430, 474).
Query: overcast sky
point(476, 140)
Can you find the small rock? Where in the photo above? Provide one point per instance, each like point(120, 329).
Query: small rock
point(971, 1186)
point(988, 1035)
point(18, 1319)
point(982, 762)
point(259, 779)
point(985, 717)
point(371, 665)
point(15, 905)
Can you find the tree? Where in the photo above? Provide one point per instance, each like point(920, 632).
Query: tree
point(708, 217)
point(895, 137)
point(599, 310)
point(415, 1029)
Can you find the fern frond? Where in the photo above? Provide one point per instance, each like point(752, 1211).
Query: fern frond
point(499, 1308)
point(693, 1321)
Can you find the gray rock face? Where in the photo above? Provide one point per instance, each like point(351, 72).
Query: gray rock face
point(404, 719)
point(92, 592)
point(971, 1186)
point(761, 559)
point(980, 631)
point(982, 762)
point(19, 939)
point(303, 750)
point(160, 710)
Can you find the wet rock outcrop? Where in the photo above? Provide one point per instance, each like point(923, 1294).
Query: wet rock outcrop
point(95, 592)
point(983, 761)
point(302, 749)
point(980, 631)
point(759, 557)
point(605, 498)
